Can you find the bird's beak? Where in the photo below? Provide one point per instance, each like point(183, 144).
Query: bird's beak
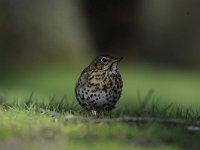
point(118, 59)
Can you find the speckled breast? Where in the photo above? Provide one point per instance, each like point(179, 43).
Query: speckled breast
point(99, 90)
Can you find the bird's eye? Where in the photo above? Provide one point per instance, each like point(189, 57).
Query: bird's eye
point(104, 60)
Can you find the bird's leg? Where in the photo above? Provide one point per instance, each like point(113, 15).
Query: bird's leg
point(94, 112)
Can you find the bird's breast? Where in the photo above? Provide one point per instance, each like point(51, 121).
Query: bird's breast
point(100, 79)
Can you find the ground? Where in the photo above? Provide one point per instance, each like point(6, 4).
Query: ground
point(38, 111)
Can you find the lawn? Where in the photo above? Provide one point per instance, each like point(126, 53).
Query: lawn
point(39, 111)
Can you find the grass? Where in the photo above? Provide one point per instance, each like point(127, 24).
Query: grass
point(30, 122)
point(146, 107)
point(27, 126)
point(38, 119)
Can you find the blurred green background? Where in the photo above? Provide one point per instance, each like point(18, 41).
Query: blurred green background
point(44, 46)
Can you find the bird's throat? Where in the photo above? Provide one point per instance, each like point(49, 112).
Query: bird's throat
point(113, 67)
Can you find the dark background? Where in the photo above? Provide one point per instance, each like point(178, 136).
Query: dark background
point(163, 32)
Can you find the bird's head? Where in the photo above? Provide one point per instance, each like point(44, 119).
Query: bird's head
point(105, 62)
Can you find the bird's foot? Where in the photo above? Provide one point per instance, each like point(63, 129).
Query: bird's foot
point(94, 112)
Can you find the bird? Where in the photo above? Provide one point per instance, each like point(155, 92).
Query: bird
point(100, 84)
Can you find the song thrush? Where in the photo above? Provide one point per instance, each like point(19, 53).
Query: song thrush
point(99, 86)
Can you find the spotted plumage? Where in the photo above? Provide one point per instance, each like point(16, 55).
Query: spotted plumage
point(99, 86)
